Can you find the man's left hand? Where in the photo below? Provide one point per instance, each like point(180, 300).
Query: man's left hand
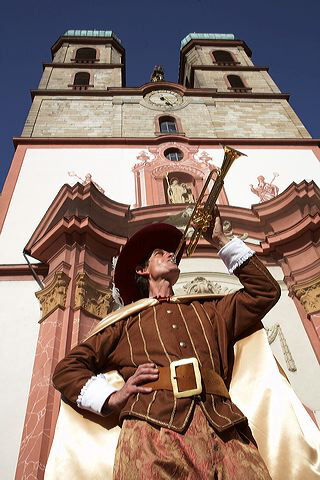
point(214, 235)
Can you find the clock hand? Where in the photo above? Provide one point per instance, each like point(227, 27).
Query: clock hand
point(166, 100)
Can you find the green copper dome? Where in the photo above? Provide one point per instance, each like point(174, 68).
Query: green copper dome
point(91, 33)
point(206, 36)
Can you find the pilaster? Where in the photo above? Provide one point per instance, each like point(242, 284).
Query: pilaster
point(77, 294)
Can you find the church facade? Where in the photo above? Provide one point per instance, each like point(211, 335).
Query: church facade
point(97, 160)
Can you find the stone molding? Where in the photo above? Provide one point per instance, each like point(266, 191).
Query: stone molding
point(272, 333)
point(91, 296)
point(53, 295)
point(308, 295)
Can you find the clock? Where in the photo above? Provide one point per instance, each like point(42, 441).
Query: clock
point(164, 99)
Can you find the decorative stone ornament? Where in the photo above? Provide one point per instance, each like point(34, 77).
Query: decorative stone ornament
point(91, 296)
point(202, 285)
point(53, 295)
point(309, 295)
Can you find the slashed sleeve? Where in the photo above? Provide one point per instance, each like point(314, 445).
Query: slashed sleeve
point(78, 376)
point(244, 309)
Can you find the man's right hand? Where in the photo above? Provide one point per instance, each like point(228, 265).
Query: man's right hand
point(145, 373)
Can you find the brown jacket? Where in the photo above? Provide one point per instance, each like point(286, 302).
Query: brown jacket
point(171, 331)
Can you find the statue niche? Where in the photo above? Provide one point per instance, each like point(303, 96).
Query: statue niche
point(179, 187)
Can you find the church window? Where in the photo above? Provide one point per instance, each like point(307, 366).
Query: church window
point(81, 80)
point(236, 84)
point(86, 55)
point(167, 125)
point(222, 57)
point(173, 154)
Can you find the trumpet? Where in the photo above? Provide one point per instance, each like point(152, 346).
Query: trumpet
point(202, 215)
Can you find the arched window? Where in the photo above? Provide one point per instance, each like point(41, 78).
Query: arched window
point(236, 83)
point(167, 125)
point(81, 80)
point(86, 55)
point(222, 57)
point(173, 154)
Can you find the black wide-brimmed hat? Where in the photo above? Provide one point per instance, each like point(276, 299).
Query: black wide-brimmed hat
point(139, 247)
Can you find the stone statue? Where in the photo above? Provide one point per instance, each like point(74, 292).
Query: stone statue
point(157, 74)
point(87, 179)
point(175, 192)
point(265, 191)
point(228, 231)
point(187, 193)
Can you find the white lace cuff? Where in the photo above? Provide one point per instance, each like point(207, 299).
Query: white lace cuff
point(94, 393)
point(235, 253)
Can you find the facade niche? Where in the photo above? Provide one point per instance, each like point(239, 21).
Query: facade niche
point(179, 187)
point(86, 55)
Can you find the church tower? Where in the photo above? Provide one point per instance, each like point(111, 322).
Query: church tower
point(97, 160)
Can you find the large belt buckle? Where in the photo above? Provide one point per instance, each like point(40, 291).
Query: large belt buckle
point(197, 374)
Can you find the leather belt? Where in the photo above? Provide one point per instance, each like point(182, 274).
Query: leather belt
point(185, 378)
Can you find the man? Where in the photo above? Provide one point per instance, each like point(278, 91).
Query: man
point(178, 420)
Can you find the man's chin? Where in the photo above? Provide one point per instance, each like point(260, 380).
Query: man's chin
point(174, 275)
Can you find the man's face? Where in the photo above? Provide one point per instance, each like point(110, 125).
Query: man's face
point(160, 266)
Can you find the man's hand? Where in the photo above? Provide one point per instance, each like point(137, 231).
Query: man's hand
point(214, 234)
point(145, 373)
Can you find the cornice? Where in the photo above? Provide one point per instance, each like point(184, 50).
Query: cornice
point(79, 211)
point(127, 91)
point(23, 270)
point(216, 43)
point(87, 41)
point(123, 141)
point(84, 65)
point(244, 68)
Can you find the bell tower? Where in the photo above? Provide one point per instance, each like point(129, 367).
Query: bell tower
point(247, 102)
point(85, 63)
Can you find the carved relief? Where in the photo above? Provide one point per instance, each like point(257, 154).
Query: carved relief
point(143, 158)
point(228, 231)
point(205, 157)
point(272, 333)
point(202, 285)
point(91, 296)
point(181, 219)
point(53, 295)
point(309, 295)
point(265, 191)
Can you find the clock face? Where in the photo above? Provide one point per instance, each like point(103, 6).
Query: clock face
point(165, 99)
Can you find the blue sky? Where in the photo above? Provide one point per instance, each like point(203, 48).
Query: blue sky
point(282, 34)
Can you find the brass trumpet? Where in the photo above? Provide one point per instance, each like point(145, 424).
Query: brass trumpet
point(202, 215)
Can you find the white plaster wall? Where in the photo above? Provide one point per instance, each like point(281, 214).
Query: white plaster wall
point(19, 317)
point(292, 165)
point(304, 380)
point(43, 173)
